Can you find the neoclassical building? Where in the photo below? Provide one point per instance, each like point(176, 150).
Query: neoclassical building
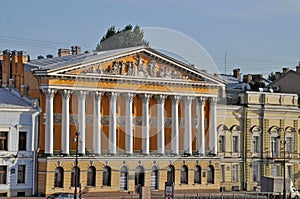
point(143, 118)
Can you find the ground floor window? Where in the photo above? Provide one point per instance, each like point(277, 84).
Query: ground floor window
point(3, 174)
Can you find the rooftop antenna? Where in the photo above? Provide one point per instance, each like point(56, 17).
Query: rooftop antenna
point(225, 62)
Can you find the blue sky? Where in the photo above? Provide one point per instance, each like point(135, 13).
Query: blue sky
point(259, 36)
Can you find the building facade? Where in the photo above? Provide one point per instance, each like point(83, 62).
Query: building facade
point(143, 118)
point(18, 144)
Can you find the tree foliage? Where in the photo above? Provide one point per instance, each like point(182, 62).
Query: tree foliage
point(272, 76)
point(129, 36)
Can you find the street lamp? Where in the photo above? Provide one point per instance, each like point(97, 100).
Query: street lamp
point(76, 165)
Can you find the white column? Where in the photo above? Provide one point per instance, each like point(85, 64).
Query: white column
point(97, 123)
point(175, 125)
point(128, 123)
point(201, 132)
point(161, 123)
point(112, 122)
point(81, 120)
point(65, 122)
point(49, 120)
point(188, 125)
point(212, 126)
point(145, 123)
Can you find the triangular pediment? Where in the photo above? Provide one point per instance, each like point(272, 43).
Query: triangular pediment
point(139, 62)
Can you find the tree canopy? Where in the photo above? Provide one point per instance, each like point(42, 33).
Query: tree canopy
point(272, 76)
point(129, 36)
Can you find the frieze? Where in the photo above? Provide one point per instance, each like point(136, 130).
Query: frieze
point(139, 68)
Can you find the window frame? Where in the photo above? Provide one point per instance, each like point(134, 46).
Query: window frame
point(24, 143)
point(59, 177)
point(197, 174)
point(184, 175)
point(91, 177)
point(4, 140)
point(210, 174)
point(235, 172)
point(106, 177)
point(21, 178)
point(3, 174)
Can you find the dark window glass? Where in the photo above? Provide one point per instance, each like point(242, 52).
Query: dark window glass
point(197, 175)
point(3, 174)
point(21, 173)
point(75, 177)
point(22, 141)
point(106, 181)
point(3, 141)
point(171, 174)
point(184, 175)
point(59, 177)
point(210, 175)
point(91, 177)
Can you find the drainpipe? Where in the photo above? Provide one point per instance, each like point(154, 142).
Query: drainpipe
point(34, 133)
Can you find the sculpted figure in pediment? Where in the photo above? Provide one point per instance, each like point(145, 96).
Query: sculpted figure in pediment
point(141, 68)
point(130, 69)
point(152, 68)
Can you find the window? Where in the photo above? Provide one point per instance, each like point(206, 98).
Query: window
point(21, 173)
point(289, 171)
point(255, 172)
point(75, 177)
point(184, 174)
point(197, 175)
point(3, 173)
point(171, 174)
point(276, 170)
point(235, 144)
point(22, 140)
point(139, 178)
point(234, 173)
point(222, 173)
point(289, 145)
point(256, 144)
point(106, 181)
point(274, 147)
point(91, 176)
point(124, 178)
point(154, 178)
point(3, 141)
point(210, 175)
point(59, 177)
point(222, 144)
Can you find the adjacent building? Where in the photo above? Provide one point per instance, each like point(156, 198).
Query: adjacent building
point(18, 144)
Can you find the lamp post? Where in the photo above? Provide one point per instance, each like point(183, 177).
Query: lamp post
point(76, 165)
point(284, 183)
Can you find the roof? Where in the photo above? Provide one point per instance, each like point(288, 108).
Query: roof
point(10, 100)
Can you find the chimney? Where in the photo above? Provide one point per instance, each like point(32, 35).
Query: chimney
point(277, 75)
point(285, 70)
point(22, 58)
point(63, 52)
point(257, 78)
point(247, 78)
point(237, 73)
point(76, 50)
point(14, 60)
point(298, 68)
point(40, 57)
point(5, 67)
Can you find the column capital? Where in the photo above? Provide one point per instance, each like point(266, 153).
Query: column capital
point(112, 95)
point(128, 97)
point(97, 94)
point(188, 99)
point(213, 100)
point(201, 100)
point(145, 97)
point(49, 92)
point(81, 93)
point(175, 99)
point(65, 94)
point(160, 98)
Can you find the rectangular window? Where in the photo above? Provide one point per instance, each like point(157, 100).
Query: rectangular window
point(21, 173)
point(22, 140)
point(275, 170)
point(289, 145)
point(3, 141)
point(3, 173)
point(289, 171)
point(256, 145)
point(235, 144)
point(234, 173)
point(274, 147)
point(255, 172)
point(222, 173)
point(222, 144)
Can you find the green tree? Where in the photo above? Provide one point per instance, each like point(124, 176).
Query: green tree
point(271, 76)
point(129, 36)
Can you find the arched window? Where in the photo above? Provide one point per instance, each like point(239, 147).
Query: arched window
point(197, 175)
point(154, 178)
point(75, 177)
point(91, 176)
point(106, 180)
point(210, 175)
point(124, 178)
point(139, 176)
point(184, 175)
point(171, 174)
point(59, 177)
